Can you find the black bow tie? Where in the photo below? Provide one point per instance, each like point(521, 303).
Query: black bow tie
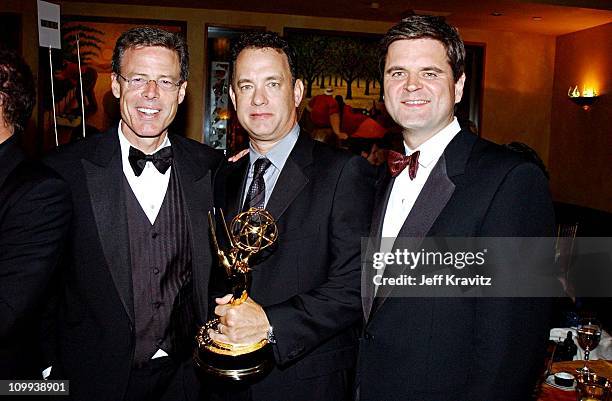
point(162, 159)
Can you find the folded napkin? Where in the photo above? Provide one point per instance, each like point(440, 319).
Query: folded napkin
point(602, 351)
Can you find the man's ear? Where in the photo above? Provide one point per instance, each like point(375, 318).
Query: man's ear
point(459, 88)
point(298, 92)
point(182, 91)
point(115, 86)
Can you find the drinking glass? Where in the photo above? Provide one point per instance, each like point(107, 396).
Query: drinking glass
point(589, 334)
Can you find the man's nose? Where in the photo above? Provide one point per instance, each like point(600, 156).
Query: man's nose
point(150, 90)
point(412, 83)
point(259, 97)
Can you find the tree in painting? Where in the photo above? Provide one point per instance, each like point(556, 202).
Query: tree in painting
point(311, 61)
point(349, 57)
point(371, 70)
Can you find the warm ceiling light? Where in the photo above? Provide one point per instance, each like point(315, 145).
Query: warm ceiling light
point(496, 14)
point(374, 4)
point(536, 18)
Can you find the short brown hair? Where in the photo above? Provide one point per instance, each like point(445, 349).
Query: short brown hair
point(427, 26)
point(146, 36)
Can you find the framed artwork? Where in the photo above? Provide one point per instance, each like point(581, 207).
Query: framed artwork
point(97, 37)
point(346, 63)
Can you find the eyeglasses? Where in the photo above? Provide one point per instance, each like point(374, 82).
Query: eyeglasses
point(162, 83)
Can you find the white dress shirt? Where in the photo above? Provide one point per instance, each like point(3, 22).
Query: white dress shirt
point(405, 191)
point(278, 156)
point(151, 186)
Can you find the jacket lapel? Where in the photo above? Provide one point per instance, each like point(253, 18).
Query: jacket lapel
point(235, 178)
point(431, 201)
point(292, 178)
point(104, 174)
point(434, 196)
point(196, 185)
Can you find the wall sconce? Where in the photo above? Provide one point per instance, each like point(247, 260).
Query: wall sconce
point(584, 99)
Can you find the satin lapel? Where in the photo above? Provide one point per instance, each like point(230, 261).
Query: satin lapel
point(105, 185)
point(235, 179)
point(196, 185)
point(292, 179)
point(383, 190)
point(431, 201)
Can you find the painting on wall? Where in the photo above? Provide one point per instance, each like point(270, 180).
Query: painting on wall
point(97, 37)
point(346, 64)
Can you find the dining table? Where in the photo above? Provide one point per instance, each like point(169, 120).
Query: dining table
point(552, 393)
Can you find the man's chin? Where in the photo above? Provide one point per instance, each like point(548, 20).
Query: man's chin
point(146, 132)
point(150, 135)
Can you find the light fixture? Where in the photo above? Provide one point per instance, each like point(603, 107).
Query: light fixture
point(497, 14)
point(585, 98)
point(536, 18)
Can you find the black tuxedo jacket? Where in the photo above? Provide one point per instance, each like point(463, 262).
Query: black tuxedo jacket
point(92, 343)
point(455, 349)
point(309, 284)
point(34, 216)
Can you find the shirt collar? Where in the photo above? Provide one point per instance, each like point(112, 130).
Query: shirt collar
point(125, 152)
point(280, 152)
point(432, 149)
point(125, 144)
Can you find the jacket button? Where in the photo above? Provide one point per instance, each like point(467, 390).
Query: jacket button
point(368, 336)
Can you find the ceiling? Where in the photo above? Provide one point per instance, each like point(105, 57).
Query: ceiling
point(557, 17)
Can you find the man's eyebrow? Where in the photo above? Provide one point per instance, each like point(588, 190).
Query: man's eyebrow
point(243, 80)
point(427, 68)
point(395, 68)
point(145, 75)
point(432, 68)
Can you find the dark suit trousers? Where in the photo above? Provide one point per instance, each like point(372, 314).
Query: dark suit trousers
point(304, 390)
point(162, 379)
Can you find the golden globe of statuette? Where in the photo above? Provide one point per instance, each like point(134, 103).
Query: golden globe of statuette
point(249, 233)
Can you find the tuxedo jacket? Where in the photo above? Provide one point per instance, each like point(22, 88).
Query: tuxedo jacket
point(308, 283)
point(455, 349)
point(92, 341)
point(34, 216)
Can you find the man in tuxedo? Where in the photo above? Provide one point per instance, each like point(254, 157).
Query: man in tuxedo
point(34, 216)
point(304, 296)
point(133, 288)
point(450, 184)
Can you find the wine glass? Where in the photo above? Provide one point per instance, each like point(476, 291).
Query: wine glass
point(589, 334)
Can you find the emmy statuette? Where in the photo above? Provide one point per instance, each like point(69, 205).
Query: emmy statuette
point(249, 232)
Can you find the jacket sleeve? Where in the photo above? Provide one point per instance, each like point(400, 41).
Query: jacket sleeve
point(511, 333)
point(31, 238)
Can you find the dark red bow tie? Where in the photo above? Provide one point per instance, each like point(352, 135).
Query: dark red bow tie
point(397, 162)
